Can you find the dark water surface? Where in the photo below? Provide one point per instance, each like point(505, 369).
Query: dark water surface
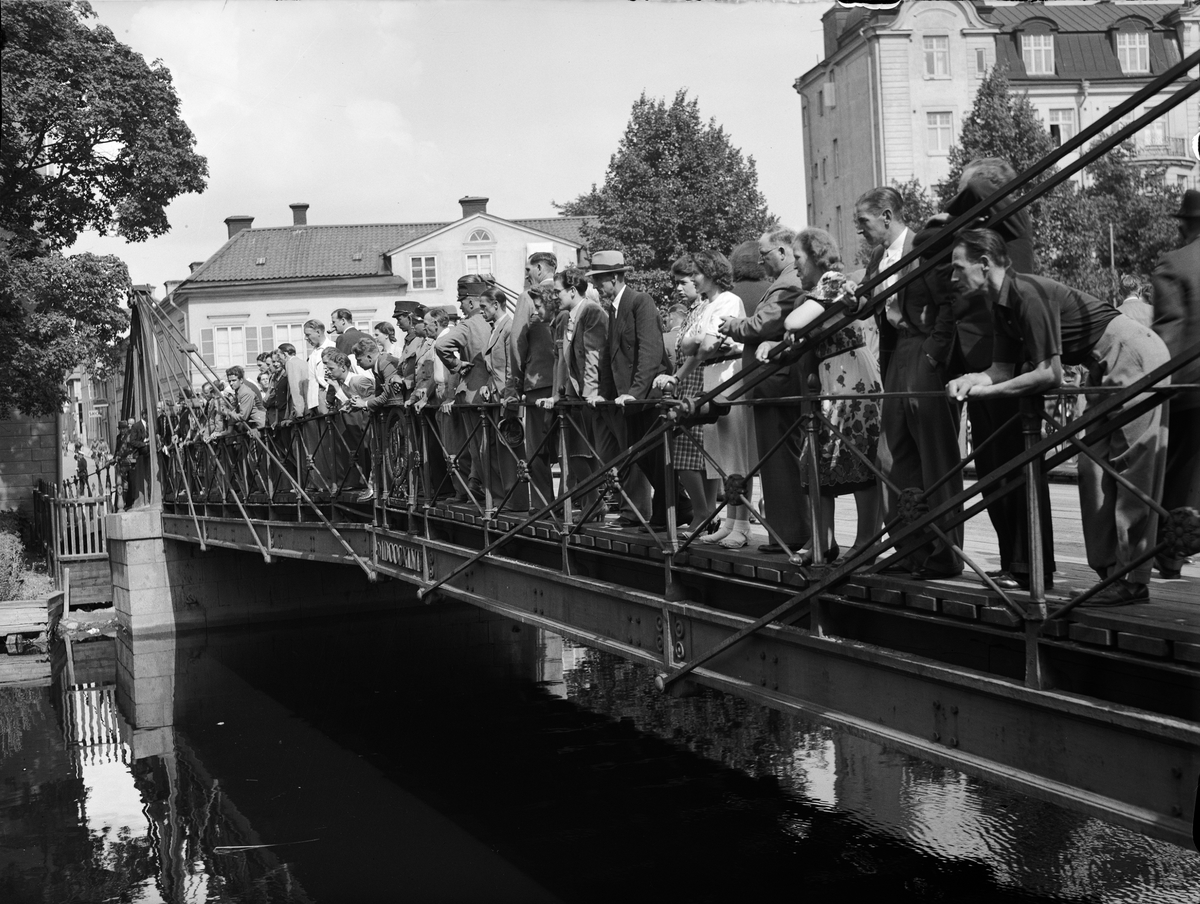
point(442, 753)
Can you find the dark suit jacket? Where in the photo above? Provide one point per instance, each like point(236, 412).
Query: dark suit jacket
point(345, 342)
point(766, 325)
point(581, 357)
point(888, 335)
point(1177, 313)
point(530, 352)
point(635, 348)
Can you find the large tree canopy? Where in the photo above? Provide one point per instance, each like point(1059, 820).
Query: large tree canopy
point(675, 184)
point(56, 311)
point(91, 135)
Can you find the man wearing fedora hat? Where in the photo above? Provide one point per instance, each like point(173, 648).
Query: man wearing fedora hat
point(461, 349)
point(635, 357)
point(1176, 284)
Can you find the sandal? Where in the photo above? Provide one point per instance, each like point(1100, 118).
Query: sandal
point(720, 535)
point(736, 539)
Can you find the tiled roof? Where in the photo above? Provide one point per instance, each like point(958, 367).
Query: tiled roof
point(299, 252)
point(1082, 46)
point(1094, 17)
point(569, 229)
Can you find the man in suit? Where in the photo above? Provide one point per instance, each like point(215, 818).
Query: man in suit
point(919, 444)
point(461, 349)
point(501, 470)
point(347, 334)
point(1176, 284)
point(783, 493)
point(577, 377)
point(1040, 325)
point(426, 401)
point(530, 377)
point(635, 357)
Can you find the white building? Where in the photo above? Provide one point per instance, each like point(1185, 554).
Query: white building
point(888, 99)
point(258, 289)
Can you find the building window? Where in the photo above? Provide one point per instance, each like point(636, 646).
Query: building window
point(837, 166)
point(1037, 51)
point(981, 61)
point(259, 339)
point(286, 332)
point(837, 219)
point(1133, 50)
point(816, 175)
point(1062, 125)
point(1155, 134)
point(937, 57)
point(422, 272)
point(480, 235)
point(479, 263)
point(824, 169)
point(223, 346)
point(940, 132)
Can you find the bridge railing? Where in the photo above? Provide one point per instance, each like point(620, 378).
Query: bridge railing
point(354, 467)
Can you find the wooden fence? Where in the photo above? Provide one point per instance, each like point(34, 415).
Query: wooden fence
point(71, 531)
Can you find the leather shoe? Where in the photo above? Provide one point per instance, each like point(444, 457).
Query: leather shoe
point(1007, 580)
point(624, 521)
point(897, 569)
point(1170, 574)
point(656, 528)
point(771, 549)
point(1120, 593)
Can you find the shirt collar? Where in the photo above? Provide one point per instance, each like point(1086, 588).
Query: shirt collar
point(617, 300)
point(896, 249)
point(1005, 287)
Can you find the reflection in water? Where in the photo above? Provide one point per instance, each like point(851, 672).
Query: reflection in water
point(443, 753)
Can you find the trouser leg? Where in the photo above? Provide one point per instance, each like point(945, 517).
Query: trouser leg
point(1118, 525)
point(540, 452)
point(1181, 485)
point(1010, 513)
point(784, 500)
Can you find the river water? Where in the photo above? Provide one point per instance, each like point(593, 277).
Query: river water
point(444, 754)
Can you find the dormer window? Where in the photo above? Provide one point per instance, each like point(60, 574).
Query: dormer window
point(1133, 51)
point(1037, 52)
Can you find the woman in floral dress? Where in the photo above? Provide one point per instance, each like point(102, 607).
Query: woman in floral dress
point(845, 368)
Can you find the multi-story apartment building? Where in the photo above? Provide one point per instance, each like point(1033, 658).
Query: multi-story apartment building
point(886, 102)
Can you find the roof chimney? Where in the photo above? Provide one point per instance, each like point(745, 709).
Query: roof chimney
point(472, 204)
point(237, 223)
point(194, 265)
point(299, 214)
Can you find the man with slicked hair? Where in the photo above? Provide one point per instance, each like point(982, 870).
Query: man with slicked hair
point(783, 493)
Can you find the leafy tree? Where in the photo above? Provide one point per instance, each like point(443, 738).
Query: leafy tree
point(1000, 124)
point(56, 311)
point(1071, 237)
point(91, 136)
point(675, 184)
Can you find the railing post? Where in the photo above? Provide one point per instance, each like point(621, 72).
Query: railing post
point(671, 590)
point(564, 470)
point(808, 418)
point(485, 468)
point(1035, 666)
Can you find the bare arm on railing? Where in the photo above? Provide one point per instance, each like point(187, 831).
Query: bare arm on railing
point(998, 381)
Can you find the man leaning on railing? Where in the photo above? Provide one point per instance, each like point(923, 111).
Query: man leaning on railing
point(1039, 325)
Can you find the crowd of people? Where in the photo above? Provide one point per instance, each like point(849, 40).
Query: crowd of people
point(980, 329)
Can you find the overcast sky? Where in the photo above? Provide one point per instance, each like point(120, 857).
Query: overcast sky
point(386, 112)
